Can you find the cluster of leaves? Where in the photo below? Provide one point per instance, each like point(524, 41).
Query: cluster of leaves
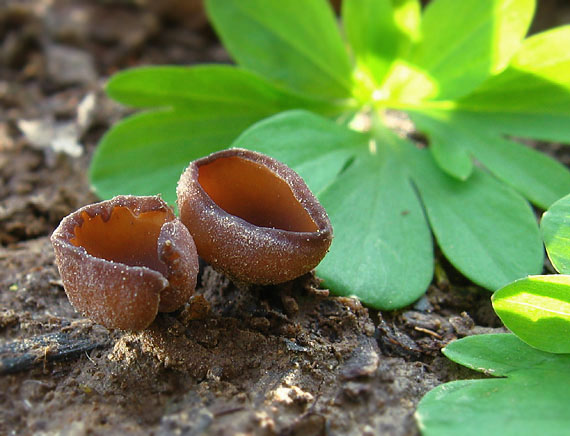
point(319, 100)
point(537, 308)
point(532, 398)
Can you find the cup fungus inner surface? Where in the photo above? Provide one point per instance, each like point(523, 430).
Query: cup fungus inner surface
point(124, 237)
point(251, 191)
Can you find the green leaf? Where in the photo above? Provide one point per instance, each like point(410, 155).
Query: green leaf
point(316, 148)
point(446, 148)
point(450, 157)
point(555, 227)
point(463, 44)
point(294, 43)
point(485, 229)
point(532, 96)
point(532, 399)
point(146, 153)
point(372, 33)
point(537, 310)
point(501, 355)
point(382, 250)
point(407, 17)
point(215, 88)
point(211, 105)
point(538, 177)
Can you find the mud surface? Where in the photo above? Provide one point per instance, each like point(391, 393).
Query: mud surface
point(286, 360)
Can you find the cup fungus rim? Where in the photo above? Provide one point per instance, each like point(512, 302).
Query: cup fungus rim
point(293, 180)
point(65, 231)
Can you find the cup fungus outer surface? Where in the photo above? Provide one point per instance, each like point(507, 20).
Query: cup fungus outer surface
point(252, 217)
point(123, 260)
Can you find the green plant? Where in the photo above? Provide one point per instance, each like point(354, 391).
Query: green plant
point(531, 399)
point(530, 396)
point(537, 308)
point(460, 70)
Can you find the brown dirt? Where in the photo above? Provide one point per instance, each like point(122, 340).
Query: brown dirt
point(285, 360)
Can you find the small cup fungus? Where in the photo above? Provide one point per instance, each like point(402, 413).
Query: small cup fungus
point(123, 260)
point(252, 217)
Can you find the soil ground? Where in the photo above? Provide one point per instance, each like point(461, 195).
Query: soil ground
point(286, 360)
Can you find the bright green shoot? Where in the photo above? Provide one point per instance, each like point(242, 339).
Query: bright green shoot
point(317, 96)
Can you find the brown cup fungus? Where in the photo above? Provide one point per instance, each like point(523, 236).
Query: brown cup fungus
point(252, 217)
point(123, 260)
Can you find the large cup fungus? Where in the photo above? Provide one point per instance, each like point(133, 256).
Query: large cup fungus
point(252, 217)
point(123, 260)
